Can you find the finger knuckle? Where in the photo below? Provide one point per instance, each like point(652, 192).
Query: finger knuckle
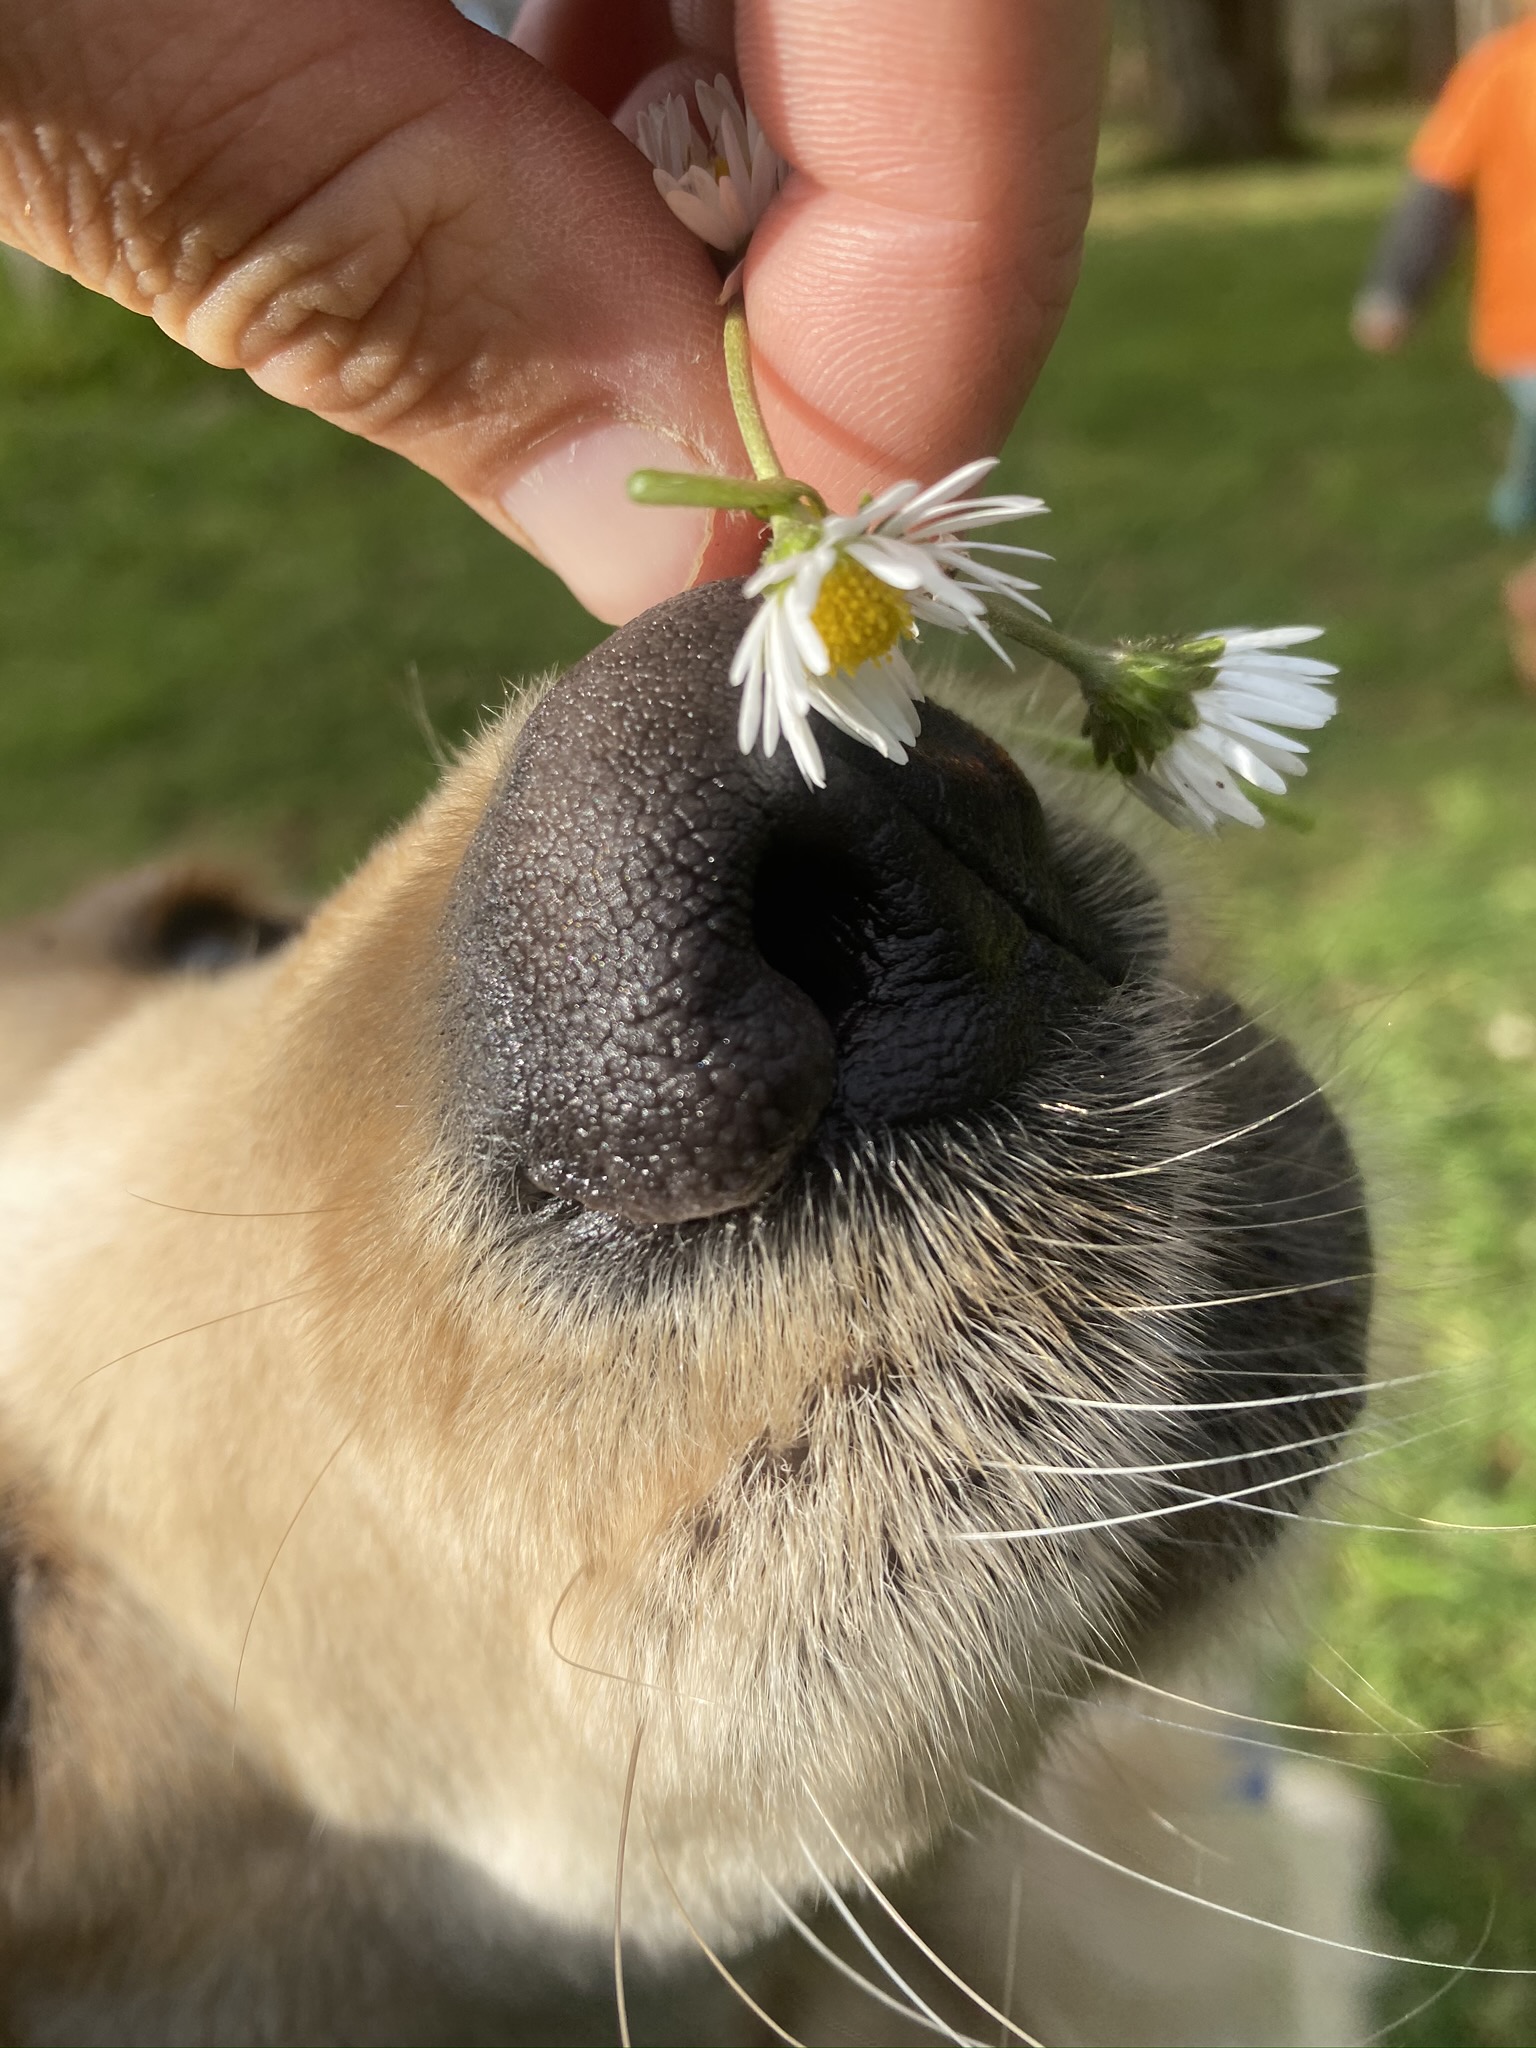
point(328, 307)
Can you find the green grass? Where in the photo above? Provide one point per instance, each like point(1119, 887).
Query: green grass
point(223, 624)
point(226, 626)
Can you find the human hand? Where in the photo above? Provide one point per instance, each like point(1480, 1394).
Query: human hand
point(1379, 323)
point(442, 242)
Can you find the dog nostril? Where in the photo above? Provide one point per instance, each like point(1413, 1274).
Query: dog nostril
point(670, 963)
point(812, 911)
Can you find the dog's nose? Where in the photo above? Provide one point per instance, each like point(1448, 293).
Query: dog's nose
point(673, 963)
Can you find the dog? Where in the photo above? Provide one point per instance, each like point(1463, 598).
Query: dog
point(633, 1378)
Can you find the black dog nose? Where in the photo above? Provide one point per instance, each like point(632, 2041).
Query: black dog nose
point(672, 962)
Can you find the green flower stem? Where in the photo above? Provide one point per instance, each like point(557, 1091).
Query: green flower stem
point(768, 497)
point(1093, 667)
point(738, 371)
point(792, 507)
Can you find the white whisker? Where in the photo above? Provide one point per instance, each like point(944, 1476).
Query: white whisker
point(1414, 1728)
point(846, 1969)
point(309, 1494)
point(1329, 1393)
point(921, 2009)
point(1240, 1496)
point(1210, 1144)
point(1286, 1293)
point(709, 1955)
point(1292, 1749)
point(1232, 1713)
point(191, 1330)
point(1174, 1891)
point(1011, 1963)
point(917, 1940)
point(1034, 1471)
point(618, 1887)
point(1440, 1991)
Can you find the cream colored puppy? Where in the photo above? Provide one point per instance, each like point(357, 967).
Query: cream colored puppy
point(653, 1348)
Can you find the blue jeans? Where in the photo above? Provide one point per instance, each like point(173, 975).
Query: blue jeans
point(1512, 507)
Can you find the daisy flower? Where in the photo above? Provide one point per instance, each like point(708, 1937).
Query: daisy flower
point(842, 596)
point(1196, 780)
point(718, 186)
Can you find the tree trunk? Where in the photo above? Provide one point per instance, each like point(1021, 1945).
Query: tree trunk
point(1310, 54)
point(1477, 18)
point(1222, 78)
point(1432, 27)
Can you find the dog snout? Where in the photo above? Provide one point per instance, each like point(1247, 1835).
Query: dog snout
point(671, 964)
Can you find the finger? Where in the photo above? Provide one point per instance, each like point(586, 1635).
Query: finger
point(389, 217)
point(596, 48)
point(623, 55)
point(904, 291)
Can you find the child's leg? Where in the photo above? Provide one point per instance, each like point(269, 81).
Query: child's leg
point(1513, 504)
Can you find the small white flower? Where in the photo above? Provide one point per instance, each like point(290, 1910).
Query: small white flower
point(720, 187)
point(668, 138)
point(840, 600)
point(1195, 781)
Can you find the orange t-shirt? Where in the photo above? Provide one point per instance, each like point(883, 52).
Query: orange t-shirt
point(1480, 139)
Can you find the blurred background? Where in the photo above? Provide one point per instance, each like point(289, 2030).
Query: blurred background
point(229, 629)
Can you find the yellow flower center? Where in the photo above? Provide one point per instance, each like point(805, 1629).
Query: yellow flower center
point(858, 617)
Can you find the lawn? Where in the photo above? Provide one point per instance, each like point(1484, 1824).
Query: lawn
point(227, 627)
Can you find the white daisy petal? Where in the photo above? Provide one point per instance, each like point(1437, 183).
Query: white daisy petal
point(734, 211)
point(842, 706)
point(1240, 639)
point(887, 690)
point(912, 542)
point(701, 215)
point(1243, 760)
point(881, 509)
point(721, 187)
point(1306, 710)
point(809, 645)
point(1278, 672)
point(902, 568)
point(1281, 762)
point(1260, 736)
point(948, 488)
point(782, 571)
point(802, 744)
point(1258, 691)
point(1210, 781)
point(1277, 668)
point(749, 719)
point(959, 520)
point(940, 612)
point(1179, 803)
point(1005, 547)
point(667, 136)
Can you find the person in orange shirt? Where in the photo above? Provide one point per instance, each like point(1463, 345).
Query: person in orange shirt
point(1475, 157)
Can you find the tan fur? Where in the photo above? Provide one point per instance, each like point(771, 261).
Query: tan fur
point(332, 1528)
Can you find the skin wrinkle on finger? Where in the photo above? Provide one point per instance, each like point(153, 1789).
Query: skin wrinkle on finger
point(163, 158)
point(533, 183)
point(332, 269)
point(925, 108)
point(400, 292)
point(876, 362)
point(945, 288)
point(463, 261)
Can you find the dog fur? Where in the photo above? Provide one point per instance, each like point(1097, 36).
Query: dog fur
point(391, 1562)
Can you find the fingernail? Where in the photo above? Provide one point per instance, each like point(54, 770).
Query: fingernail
point(571, 505)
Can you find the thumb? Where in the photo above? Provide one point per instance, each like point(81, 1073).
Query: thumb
point(390, 218)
